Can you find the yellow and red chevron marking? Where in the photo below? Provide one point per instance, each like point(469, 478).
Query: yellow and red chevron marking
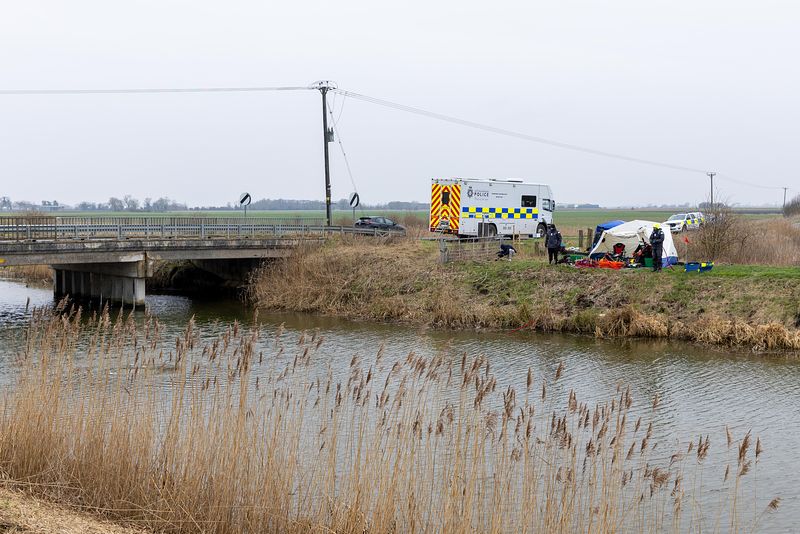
point(436, 204)
point(455, 206)
point(449, 211)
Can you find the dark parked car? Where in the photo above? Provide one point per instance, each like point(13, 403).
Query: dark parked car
point(379, 223)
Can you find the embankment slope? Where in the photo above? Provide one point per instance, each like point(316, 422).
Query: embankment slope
point(757, 307)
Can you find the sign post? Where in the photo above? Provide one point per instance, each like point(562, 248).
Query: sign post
point(354, 201)
point(244, 201)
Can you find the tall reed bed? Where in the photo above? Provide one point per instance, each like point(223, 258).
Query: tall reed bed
point(244, 432)
point(32, 274)
point(731, 238)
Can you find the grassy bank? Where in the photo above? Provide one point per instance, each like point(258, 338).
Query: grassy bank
point(245, 432)
point(748, 306)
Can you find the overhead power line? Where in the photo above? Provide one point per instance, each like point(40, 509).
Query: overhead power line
point(150, 90)
point(541, 140)
point(341, 147)
point(748, 184)
point(511, 133)
point(388, 104)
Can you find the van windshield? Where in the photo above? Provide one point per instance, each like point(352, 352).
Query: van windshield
point(678, 217)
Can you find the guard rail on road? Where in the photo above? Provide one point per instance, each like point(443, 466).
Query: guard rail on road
point(97, 228)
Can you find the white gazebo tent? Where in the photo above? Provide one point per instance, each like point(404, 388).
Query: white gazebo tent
point(632, 234)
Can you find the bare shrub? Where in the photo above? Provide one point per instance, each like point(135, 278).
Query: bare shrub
point(732, 238)
point(722, 233)
point(792, 208)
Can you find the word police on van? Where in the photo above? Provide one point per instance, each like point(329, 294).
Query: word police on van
point(467, 207)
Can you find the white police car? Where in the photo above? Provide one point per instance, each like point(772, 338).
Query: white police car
point(684, 221)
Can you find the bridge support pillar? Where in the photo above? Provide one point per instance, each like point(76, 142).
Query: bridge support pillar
point(115, 283)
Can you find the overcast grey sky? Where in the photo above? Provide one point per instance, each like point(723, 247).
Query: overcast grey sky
point(706, 84)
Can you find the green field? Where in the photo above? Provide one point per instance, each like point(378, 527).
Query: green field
point(289, 214)
point(569, 221)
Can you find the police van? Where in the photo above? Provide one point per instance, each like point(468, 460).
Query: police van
point(468, 207)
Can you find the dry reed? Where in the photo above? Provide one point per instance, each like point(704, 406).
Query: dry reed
point(33, 274)
point(734, 239)
point(228, 434)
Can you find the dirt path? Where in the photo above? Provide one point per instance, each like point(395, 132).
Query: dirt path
point(20, 513)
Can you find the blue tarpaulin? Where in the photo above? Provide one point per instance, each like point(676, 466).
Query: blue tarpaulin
point(602, 227)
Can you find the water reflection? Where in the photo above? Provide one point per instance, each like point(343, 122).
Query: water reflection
point(701, 389)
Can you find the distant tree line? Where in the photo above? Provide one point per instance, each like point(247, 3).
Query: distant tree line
point(24, 205)
point(578, 206)
point(163, 204)
point(129, 203)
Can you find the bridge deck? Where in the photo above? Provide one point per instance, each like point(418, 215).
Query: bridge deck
point(56, 228)
point(63, 240)
point(65, 252)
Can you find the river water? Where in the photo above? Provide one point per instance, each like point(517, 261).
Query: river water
point(702, 389)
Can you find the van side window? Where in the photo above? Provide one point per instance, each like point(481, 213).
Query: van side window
point(445, 198)
point(528, 201)
point(546, 204)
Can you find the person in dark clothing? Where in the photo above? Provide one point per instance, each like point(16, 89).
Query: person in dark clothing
point(657, 244)
point(506, 251)
point(553, 243)
point(642, 251)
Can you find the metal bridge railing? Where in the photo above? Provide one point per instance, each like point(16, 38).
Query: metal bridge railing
point(38, 228)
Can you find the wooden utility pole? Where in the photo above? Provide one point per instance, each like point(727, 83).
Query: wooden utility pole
point(324, 86)
point(711, 175)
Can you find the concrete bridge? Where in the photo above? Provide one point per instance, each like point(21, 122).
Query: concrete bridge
point(109, 258)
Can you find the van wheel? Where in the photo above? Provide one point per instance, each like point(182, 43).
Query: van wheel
point(541, 230)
